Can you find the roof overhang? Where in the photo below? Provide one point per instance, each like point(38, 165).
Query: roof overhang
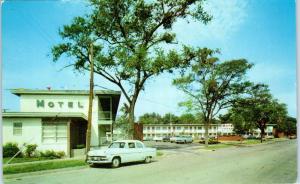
point(22, 91)
point(43, 115)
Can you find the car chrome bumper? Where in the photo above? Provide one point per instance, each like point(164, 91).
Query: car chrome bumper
point(98, 161)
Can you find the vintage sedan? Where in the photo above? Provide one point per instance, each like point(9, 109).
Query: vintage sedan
point(122, 151)
point(184, 139)
point(173, 139)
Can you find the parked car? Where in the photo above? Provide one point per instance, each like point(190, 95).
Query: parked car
point(157, 139)
point(269, 136)
point(292, 137)
point(245, 136)
point(147, 139)
point(173, 139)
point(122, 151)
point(166, 139)
point(184, 139)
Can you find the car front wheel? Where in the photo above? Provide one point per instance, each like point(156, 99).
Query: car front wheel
point(115, 162)
point(147, 159)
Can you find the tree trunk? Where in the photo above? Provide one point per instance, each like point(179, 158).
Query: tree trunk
point(262, 134)
point(131, 131)
point(131, 123)
point(206, 125)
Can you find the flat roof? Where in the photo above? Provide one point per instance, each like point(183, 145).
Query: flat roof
point(22, 91)
point(43, 114)
point(174, 124)
point(198, 124)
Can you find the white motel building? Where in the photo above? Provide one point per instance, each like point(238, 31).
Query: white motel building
point(197, 131)
point(57, 119)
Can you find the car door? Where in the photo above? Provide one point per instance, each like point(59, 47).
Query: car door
point(140, 151)
point(132, 152)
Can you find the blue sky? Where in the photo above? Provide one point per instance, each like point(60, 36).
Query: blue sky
point(261, 31)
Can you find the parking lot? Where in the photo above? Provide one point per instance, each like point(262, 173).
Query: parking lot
point(170, 146)
point(186, 163)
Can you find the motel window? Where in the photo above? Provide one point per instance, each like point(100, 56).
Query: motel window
point(178, 128)
point(157, 128)
point(17, 130)
point(54, 132)
point(164, 128)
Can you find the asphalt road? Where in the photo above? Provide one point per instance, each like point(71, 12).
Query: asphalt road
point(269, 163)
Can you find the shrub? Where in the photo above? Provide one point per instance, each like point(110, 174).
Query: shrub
point(30, 150)
point(60, 154)
point(10, 149)
point(80, 146)
point(210, 141)
point(52, 154)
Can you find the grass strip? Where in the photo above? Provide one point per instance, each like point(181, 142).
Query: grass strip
point(22, 160)
point(40, 166)
point(159, 153)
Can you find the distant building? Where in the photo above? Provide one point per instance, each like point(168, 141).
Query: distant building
point(57, 119)
point(195, 130)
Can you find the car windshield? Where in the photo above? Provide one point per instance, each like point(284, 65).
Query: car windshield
point(117, 145)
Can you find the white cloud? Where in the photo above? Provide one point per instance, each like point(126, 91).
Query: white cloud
point(270, 73)
point(228, 16)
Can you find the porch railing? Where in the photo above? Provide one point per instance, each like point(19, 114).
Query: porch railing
point(104, 115)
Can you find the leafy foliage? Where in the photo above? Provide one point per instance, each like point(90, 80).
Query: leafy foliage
point(10, 149)
point(154, 118)
point(51, 154)
point(127, 37)
point(259, 108)
point(212, 85)
point(30, 150)
point(289, 126)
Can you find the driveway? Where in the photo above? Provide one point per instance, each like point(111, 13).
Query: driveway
point(267, 163)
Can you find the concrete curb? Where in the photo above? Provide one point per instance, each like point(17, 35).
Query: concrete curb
point(42, 161)
point(30, 174)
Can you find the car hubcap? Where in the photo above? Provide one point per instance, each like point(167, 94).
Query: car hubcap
point(116, 162)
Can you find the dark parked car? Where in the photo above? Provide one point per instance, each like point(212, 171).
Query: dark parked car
point(166, 139)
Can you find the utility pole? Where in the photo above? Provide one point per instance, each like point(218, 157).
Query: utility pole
point(91, 96)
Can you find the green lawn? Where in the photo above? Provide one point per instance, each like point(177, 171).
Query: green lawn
point(245, 142)
point(159, 153)
point(39, 166)
point(21, 160)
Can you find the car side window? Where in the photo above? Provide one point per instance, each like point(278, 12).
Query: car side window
point(122, 144)
point(139, 145)
point(131, 145)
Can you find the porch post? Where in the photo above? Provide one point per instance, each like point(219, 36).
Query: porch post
point(69, 138)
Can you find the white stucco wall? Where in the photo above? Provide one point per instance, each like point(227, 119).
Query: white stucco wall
point(28, 103)
point(31, 134)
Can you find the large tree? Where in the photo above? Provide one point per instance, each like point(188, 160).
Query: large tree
point(259, 108)
point(240, 125)
point(290, 127)
point(212, 85)
point(150, 118)
point(127, 36)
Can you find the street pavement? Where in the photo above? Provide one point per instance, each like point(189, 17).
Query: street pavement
point(188, 164)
